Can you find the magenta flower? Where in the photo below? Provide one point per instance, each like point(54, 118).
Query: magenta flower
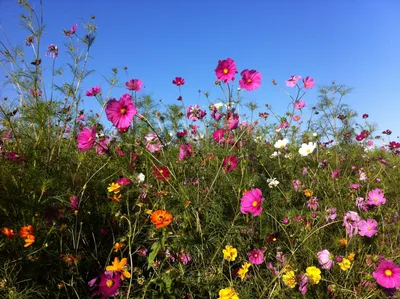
point(226, 70)
point(229, 164)
point(93, 91)
point(335, 174)
point(81, 117)
point(108, 286)
point(251, 202)
point(219, 135)
point(134, 84)
point(308, 82)
point(296, 117)
point(350, 221)
point(387, 274)
point(184, 257)
point(256, 256)
point(292, 81)
point(73, 202)
point(185, 151)
point(123, 181)
point(52, 51)
point(251, 80)
point(178, 81)
point(325, 259)
point(368, 227)
point(194, 113)
point(102, 145)
point(376, 198)
point(86, 139)
point(121, 112)
point(71, 31)
point(300, 104)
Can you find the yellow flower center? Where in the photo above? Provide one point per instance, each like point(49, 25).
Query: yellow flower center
point(388, 272)
point(248, 80)
point(375, 199)
point(161, 171)
point(109, 283)
point(226, 70)
point(254, 203)
point(123, 111)
point(368, 228)
point(308, 150)
point(255, 255)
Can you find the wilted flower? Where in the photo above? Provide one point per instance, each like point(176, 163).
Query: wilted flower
point(52, 51)
point(350, 221)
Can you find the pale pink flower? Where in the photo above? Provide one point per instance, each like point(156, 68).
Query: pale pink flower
point(300, 104)
point(368, 227)
point(194, 113)
point(325, 259)
point(102, 145)
point(312, 203)
point(350, 222)
point(376, 197)
point(308, 82)
point(292, 81)
point(153, 144)
point(52, 51)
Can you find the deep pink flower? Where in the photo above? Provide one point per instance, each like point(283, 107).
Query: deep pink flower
point(230, 163)
point(308, 82)
point(364, 134)
point(387, 274)
point(108, 285)
point(123, 181)
point(226, 70)
point(93, 91)
point(219, 135)
point(251, 80)
point(121, 112)
point(300, 104)
point(365, 115)
point(368, 227)
point(325, 259)
point(81, 116)
point(350, 221)
point(251, 202)
point(376, 197)
point(292, 81)
point(178, 81)
point(71, 31)
point(134, 84)
point(335, 174)
point(102, 145)
point(52, 51)
point(232, 120)
point(86, 139)
point(393, 145)
point(185, 151)
point(194, 113)
point(256, 256)
point(73, 202)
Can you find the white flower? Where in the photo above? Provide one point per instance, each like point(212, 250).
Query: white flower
point(315, 134)
point(218, 105)
point(307, 149)
point(272, 182)
point(288, 156)
point(275, 154)
point(139, 178)
point(281, 143)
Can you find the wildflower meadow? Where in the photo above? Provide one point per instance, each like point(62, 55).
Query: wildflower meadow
point(208, 199)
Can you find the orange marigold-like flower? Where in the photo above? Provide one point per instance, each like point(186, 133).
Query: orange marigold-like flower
point(119, 266)
point(30, 239)
point(118, 246)
point(26, 231)
point(308, 193)
point(161, 218)
point(9, 232)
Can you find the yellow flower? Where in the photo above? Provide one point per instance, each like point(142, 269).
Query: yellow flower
point(308, 192)
point(114, 187)
point(343, 242)
point(345, 264)
point(313, 274)
point(115, 197)
point(230, 253)
point(243, 270)
point(289, 279)
point(351, 256)
point(228, 293)
point(119, 266)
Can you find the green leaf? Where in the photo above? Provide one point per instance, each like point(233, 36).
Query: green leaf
point(154, 250)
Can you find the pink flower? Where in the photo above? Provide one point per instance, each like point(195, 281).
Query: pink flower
point(52, 51)
point(134, 84)
point(325, 259)
point(303, 283)
point(256, 256)
point(229, 164)
point(350, 221)
point(109, 283)
point(251, 80)
point(219, 135)
point(296, 185)
point(194, 113)
point(330, 214)
point(73, 202)
point(121, 112)
point(123, 181)
point(354, 186)
point(102, 145)
point(232, 120)
point(376, 198)
point(361, 204)
point(71, 31)
point(153, 144)
point(93, 91)
point(368, 228)
point(226, 70)
point(81, 116)
point(251, 202)
point(185, 151)
point(312, 203)
point(300, 104)
point(387, 274)
point(335, 174)
point(292, 81)
point(86, 139)
point(296, 117)
point(308, 82)
point(178, 81)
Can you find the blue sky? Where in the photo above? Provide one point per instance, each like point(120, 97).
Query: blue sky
point(356, 43)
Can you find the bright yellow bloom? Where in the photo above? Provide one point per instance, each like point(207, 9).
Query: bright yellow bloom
point(351, 256)
point(114, 187)
point(313, 274)
point(230, 253)
point(243, 270)
point(345, 264)
point(308, 192)
point(119, 266)
point(289, 279)
point(228, 293)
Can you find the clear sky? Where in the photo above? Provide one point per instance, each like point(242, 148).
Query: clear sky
point(356, 43)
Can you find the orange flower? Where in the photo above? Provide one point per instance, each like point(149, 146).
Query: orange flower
point(26, 230)
point(308, 192)
point(115, 197)
point(161, 218)
point(30, 239)
point(8, 232)
point(118, 246)
point(119, 266)
point(343, 242)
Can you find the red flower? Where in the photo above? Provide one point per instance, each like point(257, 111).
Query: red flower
point(229, 164)
point(161, 173)
point(178, 81)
